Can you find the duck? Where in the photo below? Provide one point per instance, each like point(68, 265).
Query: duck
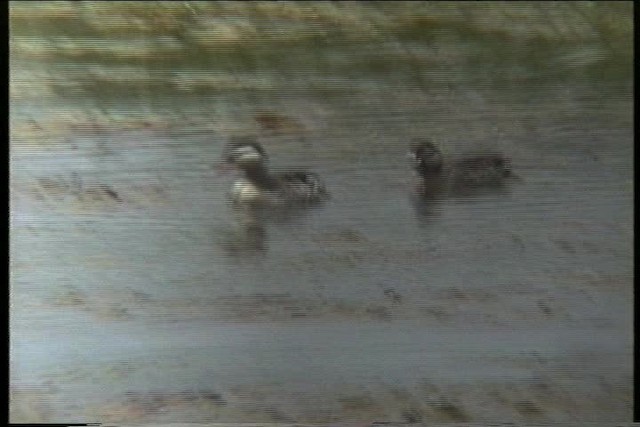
point(460, 176)
point(261, 187)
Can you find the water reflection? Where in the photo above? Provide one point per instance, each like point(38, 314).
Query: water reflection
point(249, 235)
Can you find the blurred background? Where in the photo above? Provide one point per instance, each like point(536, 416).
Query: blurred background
point(135, 298)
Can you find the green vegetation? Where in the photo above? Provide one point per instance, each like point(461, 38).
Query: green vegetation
point(134, 49)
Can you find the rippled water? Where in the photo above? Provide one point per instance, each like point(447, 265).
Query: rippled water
point(135, 296)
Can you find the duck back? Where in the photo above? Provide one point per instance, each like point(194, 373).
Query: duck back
point(481, 171)
point(303, 186)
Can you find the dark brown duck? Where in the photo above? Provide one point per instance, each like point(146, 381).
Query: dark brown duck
point(457, 176)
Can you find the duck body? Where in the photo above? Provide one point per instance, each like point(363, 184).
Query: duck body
point(457, 177)
point(481, 171)
point(261, 187)
point(279, 190)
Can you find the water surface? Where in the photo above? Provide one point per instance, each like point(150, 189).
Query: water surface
point(137, 298)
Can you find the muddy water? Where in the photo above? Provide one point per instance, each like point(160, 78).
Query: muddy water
point(136, 296)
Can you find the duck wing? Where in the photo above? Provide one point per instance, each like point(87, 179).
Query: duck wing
point(482, 170)
point(302, 186)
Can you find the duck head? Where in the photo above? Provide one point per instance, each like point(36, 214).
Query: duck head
point(426, 157)
point(245, 153)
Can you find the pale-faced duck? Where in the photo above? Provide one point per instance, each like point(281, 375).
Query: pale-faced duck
point(261, 187)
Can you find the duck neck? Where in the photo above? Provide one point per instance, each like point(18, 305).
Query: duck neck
point(259, 175)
